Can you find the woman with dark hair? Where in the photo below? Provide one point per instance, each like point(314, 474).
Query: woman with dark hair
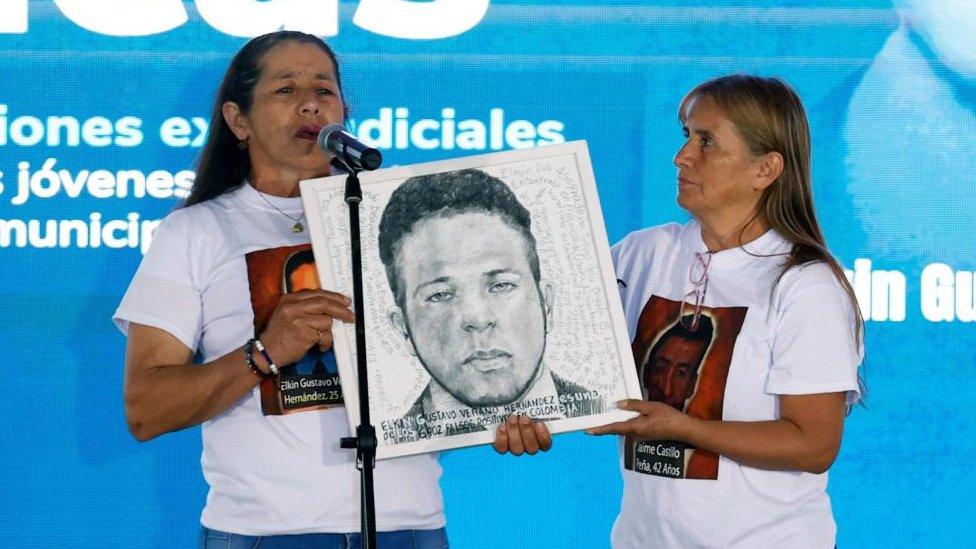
point(275, 480)
point(773, 390)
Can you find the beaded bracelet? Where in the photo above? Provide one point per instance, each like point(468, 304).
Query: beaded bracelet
point(249, 358)
point(267, 358)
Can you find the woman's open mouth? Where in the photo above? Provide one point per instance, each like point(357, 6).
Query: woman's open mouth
point(308, 132)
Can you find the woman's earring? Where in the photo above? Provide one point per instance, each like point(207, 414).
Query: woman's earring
point(242, 144)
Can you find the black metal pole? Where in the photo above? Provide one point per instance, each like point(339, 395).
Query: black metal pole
point(365, 440)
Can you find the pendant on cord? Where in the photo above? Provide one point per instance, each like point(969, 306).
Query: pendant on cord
point(297, 227)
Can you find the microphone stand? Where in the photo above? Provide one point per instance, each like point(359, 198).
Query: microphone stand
point(365, 440)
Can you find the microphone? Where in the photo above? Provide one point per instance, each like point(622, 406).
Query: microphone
point(334, 138)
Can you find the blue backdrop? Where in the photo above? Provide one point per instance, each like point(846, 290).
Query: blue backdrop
point(101, 113)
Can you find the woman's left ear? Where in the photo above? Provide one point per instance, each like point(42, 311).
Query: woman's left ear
point(770, 168)
point(234, 119)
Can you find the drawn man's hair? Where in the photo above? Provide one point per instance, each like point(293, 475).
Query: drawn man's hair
point(444, 195)
point(703, 334)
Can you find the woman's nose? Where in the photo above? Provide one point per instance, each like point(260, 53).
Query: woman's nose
point(683, 157)
point(309, 104)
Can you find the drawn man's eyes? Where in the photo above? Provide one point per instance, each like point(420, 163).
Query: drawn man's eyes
point(501, 287)
point(439, 297)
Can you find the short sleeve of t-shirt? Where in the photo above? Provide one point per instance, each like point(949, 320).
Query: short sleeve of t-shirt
point(814, 348)
point(615, 258)
point(162, 293)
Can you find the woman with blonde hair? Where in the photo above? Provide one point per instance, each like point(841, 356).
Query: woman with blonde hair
point(732, 444)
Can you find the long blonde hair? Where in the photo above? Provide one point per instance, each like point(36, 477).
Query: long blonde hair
point(769, 116)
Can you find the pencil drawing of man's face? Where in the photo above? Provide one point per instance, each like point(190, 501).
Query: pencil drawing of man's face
point(472, 310)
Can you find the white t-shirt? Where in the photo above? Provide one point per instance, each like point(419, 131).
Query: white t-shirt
point(800, 341)
point(279, 474)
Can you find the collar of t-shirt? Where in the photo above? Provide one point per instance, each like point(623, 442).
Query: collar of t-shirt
point(290, 205)
point(769, 243)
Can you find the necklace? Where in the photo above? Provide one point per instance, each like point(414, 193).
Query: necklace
point(298, 226)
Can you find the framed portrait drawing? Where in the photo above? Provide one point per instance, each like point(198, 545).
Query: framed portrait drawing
point(488, 291)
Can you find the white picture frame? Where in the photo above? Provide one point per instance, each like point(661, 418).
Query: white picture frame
point(584, 335)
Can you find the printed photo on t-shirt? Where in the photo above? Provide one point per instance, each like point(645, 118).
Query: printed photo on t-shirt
point(312, 383)
point(682, 354)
